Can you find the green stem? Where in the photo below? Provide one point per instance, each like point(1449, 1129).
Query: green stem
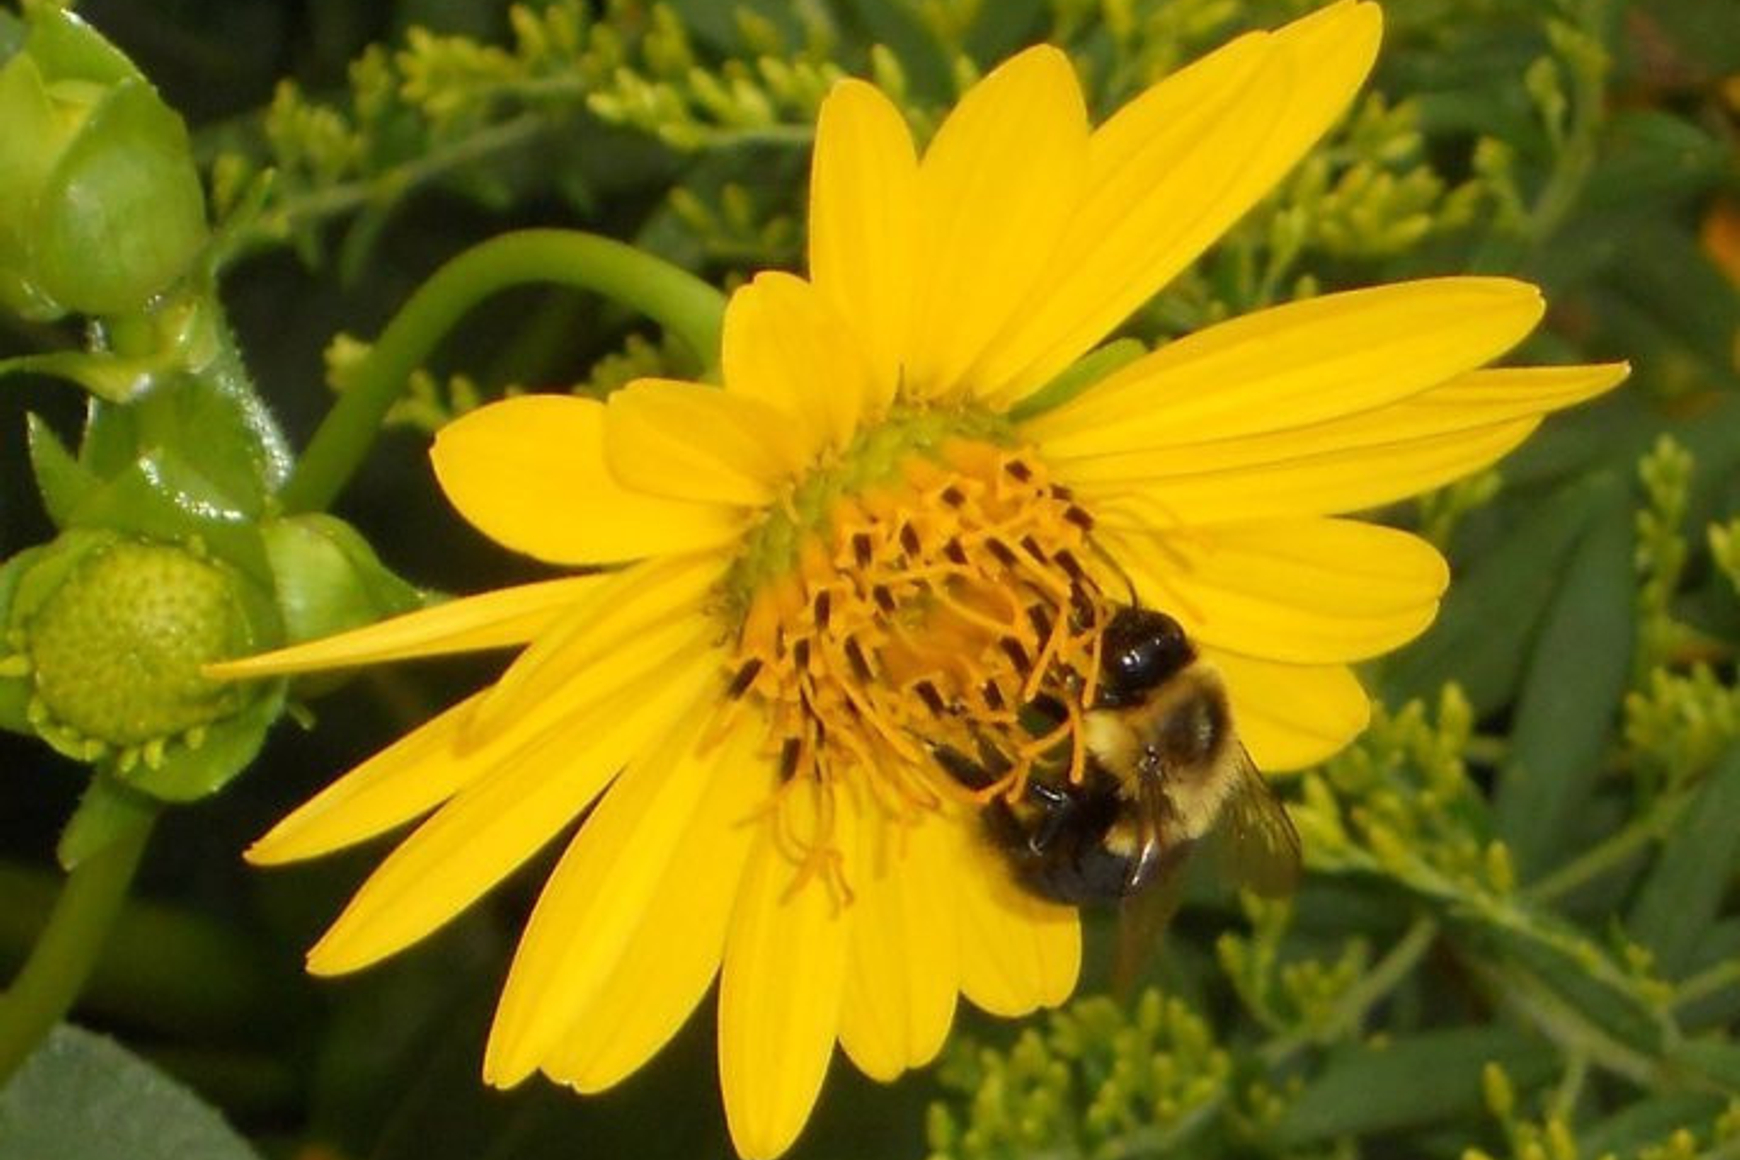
point(676, 299)
point(1358, 1000)
point(1705, 983)
point(1611, 852)
point(67, 949)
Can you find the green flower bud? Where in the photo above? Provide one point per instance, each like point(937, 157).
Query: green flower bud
point(109, 634)
point(115, 650)
point(328, 578)
point(100, 203)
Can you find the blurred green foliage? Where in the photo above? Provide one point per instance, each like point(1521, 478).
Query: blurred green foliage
point(1520, 936)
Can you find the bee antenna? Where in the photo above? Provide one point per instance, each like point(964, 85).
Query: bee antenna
point(1099, 550)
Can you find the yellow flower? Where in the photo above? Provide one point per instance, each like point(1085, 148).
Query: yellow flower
point(872, 537)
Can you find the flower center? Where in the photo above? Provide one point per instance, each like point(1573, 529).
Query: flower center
point(949, 602)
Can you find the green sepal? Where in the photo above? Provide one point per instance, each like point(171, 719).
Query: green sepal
point(70, 49)
point(230, 453)
point(328, 579)
point(15, 687)
point(1078, 377)
point(224, 431)
point(48, 568)
point(60, 479)
point(11, 35)
point(108, 812)
point(125, 189)
point(187, 771)
point(162, 497)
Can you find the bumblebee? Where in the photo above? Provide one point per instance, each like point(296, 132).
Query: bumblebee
point(1164, 771)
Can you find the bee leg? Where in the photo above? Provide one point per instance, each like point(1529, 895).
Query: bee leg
point(1057, 811)
point(962, 768)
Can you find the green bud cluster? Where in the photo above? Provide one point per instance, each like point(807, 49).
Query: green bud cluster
point(1099, 1081)
point(92, 162)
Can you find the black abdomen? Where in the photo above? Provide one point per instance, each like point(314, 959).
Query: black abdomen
point(1065, 843)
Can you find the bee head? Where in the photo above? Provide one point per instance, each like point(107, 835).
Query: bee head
point(1140, 649)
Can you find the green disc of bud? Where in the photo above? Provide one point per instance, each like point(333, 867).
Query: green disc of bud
point(100, 203)
point(115, 631)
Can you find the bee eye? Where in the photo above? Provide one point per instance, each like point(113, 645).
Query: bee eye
point(1141, 648)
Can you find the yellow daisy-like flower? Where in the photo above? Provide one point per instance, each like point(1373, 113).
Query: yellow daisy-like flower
point(872, 538)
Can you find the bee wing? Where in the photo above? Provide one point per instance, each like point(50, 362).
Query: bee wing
point(1256, 841)
point(1154, 887)
point(1142, 919)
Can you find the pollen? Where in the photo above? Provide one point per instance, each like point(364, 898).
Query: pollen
point(954, 604)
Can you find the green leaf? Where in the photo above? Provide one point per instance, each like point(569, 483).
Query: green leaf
point(1568, 986)
point(83, 1097)
point(929, 70)
point(1671, 281)
point(1379, 1089)
point(1578, 672)
point(59, 477)
point(1648, 1121)
point(1683, 892)
point(1479, 640)
point(108, 811)
point(1653, 156)
point(1005, 27)
point(1716, 1059)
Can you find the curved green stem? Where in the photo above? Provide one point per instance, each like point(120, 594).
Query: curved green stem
point(676, 299)
point(67, 948)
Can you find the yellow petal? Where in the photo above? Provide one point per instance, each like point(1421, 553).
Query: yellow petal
point(786, 346)
point(674, 953)
point(1295, 365)
point(686, 441)
point(507, 814)
point(1291, 716)
point(597, 898)
point(1309, 591)
point(996, 190)
point(779, 993)
point(414, 774)
point(904, 971)
point(1018, 951)
point(1355, 478)
point(863, 210)
point(507, 616)
point(529, 473)
point(1174, 169)
point(624, 626)
point(1361, 461)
